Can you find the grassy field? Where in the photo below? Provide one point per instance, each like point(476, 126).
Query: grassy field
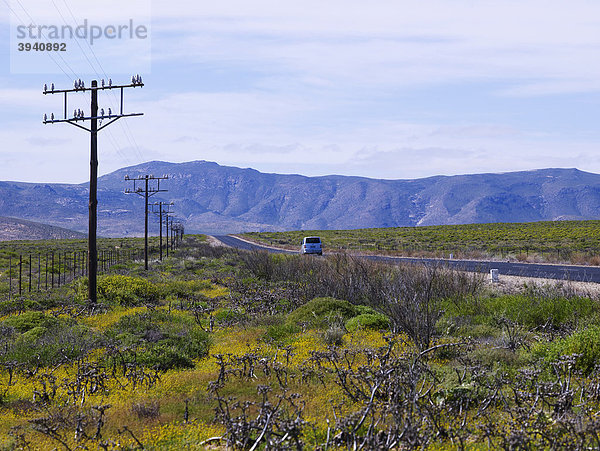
point(229, 349)
point(557, 241)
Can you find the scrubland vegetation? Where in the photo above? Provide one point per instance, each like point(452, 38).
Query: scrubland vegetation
point(575, 242)
point(217, 348)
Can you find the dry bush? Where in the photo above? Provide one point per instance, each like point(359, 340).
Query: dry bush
point(409, 294)
point(199, 250)
point(522, 257)
point(146, 410)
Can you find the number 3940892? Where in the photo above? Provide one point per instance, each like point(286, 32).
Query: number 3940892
point(42, 47)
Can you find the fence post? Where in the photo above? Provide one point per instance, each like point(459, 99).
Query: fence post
point(20, 274)
point(52, 272)
point(9, 276)
point(29, 273)
point(39, 271)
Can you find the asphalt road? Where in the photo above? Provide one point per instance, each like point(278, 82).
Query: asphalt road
point(560, 272)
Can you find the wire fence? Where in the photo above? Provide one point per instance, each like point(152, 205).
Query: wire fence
point(43, 271)
point(28, 273)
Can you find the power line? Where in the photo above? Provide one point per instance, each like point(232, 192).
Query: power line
point(33, 22)
point(125, 126)
point(101, 68)
point(126, 130)
point(76, 76)
point(76, 40)
point(47, 53)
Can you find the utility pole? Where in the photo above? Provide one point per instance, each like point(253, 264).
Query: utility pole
point(172, 237)
point(176, 233)
point(95, 120)
point(178, 230)
point(146, 192)
point(170, 224)
point(167, 234)
point(163, 208)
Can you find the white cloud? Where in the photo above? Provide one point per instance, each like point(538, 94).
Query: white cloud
point(398, 43)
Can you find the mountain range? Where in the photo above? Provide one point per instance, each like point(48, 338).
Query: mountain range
point(20, 229)
point(219, 199)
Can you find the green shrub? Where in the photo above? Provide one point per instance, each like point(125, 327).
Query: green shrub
point(535, 311)
point(321, 312)
point(127, 290)
point(34, 334)
point(376, 321)
point(229, 316)
point(164, 357)
point(51, 345)
point(364, 310)
point(280, 332)
point(8, 307)
point(585, 343)
point(477, 331)
point(30, 320)
point(161, 339)
point(185, 288)
point(530, 310)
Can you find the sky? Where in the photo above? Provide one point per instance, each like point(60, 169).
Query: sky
point(384, 89)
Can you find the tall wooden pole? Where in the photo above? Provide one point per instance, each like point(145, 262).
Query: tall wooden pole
point(160, 231)
point(146, 228)
point(93, 204)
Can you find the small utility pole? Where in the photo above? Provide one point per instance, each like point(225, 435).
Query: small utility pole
point(178, 231)
point(146, 192)
point(167, 234)
point(170, 224)
point(163, 208)
point(95, 120)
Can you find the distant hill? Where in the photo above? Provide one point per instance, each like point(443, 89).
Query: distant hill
point(20, 229)
point(220, 199)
